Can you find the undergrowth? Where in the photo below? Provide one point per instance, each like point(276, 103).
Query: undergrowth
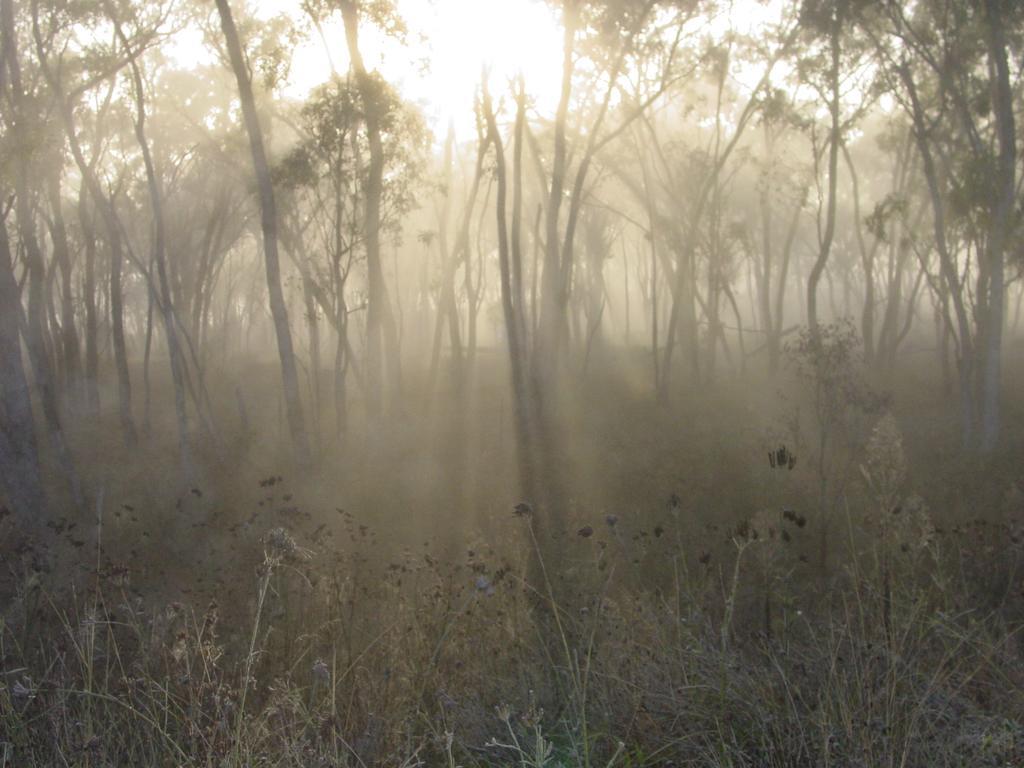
point(664, 645)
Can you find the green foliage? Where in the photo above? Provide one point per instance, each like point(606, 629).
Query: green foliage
point(381, 13)
point(335, 147)
point(830, 363)
point(889, 209)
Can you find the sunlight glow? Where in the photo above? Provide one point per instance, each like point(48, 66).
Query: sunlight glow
point(439, 66)
point(507, 36)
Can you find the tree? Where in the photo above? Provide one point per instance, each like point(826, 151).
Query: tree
point(511, 296)
point(66, 101)
point(171, 333)
point(326, 177)
point(947, 65)
point(19, 459)
point(25, 192)
point(268, 222)
point(831, 16)
point(381, 333)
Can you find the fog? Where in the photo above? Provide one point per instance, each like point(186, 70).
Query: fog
point(516, 382)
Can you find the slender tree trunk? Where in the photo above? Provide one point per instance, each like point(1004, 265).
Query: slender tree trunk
point(313, 328)
point(764, 269)
point(92, 394)
point(42, 367)
point(147, 353)
point(381, 333)
point(551, 312)
point(19, 458)
point(625, 291)
point(518, 292)
point(114, 244)
point(268, 220)
point(653, 290)
point(176, 358)
point(1001, 223)
point(535, 278)
point(340, 389)
point(447, 311)
point(825, 246)
point(510, 307)
point(947, 265)
point(71, 352)
point(867, 257)
point(778, 314)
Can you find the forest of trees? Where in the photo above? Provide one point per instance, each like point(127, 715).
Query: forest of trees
point(202, 272)
point(699, 191)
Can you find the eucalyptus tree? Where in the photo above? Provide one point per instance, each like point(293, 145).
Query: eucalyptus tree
point(895, 265)
point(687, 168)
point(88, 240)
point(509, 262)
point(780, 181)
point(320, 198)
point(829, 21)
point(159, 246)
point(447, 308)
point(51, 33)
point(199, 151)
point(612, 36)
point(382, 350)
point(20, 476)
point(947, 63)
point(269, 226)
point(24, 100)
point(68, 352)
point(327, 176)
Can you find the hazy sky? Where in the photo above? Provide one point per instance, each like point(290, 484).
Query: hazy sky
point(449, 42)
point(439, 67)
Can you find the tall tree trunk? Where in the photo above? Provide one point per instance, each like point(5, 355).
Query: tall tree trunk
point(24, 191)
point(511, 308)
point(268, 220)
point(1003, 204)
point(19, 458)
point(447, 311)
point(552, 316)
point(313, 328)
point(147, 352)
point(113, 229)
point(763, 269)
point(825, 246)
point(516, 238)
point(381, 333)
point(92, 393)
point(176, 358)
point(947, 265)
point(71, 352)
point(867, 258)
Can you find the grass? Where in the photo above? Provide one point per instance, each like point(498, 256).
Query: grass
point(684, 620)
point(348, 661)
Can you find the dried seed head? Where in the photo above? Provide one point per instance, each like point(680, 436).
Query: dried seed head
point(279, 546)
point(522, 509)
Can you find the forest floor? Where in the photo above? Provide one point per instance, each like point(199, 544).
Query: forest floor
point(700, 604)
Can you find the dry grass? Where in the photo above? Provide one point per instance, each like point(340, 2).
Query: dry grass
point(687, 621)
point(348, 660)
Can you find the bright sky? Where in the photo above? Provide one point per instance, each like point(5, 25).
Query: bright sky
point(449, 42)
